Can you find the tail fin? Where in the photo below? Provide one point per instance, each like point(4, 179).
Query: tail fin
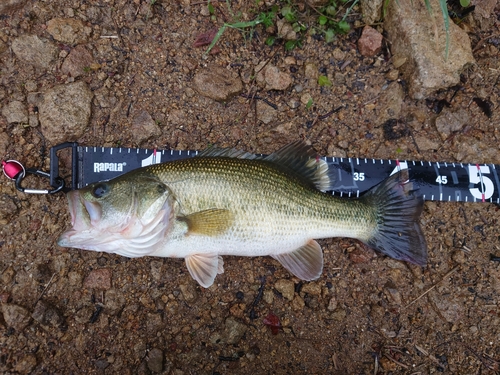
point(398, 233)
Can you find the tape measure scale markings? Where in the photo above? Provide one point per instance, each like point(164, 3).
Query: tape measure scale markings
point(436, 181)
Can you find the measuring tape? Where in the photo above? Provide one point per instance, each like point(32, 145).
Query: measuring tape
point(436, 181)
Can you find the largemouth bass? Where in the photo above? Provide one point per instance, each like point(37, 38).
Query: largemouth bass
point(228, 202)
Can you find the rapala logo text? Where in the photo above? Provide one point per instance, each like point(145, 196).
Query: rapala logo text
point(109, 167)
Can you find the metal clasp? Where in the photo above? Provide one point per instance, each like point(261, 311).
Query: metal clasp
point(36, 172)
point(15, 171)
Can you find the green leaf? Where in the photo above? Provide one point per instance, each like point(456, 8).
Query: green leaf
point(322, 20)
point(324, 81)
point(297, 27)
point(331, 10)
point(290, 45)
point(270, 40)
point(464, 3)
point(343, 27)
point(211, 8)
point(309, 103)
point(266, 19)
point(329, 35)
point(288, 13)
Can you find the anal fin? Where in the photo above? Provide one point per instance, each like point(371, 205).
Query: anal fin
point(306, 262)
point(204, 267)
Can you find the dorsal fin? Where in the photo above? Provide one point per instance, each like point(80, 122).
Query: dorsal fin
point(298, 157)
point(227, 153)
point(302, 159)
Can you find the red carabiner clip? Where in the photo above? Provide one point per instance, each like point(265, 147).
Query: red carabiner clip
point(15, 171)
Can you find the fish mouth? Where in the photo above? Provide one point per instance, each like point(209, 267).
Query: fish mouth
point(80, 218)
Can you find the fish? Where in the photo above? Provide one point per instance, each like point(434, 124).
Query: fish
point(231, 202)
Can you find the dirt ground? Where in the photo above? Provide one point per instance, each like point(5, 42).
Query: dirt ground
point(73, 311)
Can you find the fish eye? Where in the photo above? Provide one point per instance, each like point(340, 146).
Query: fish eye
point(100, 190)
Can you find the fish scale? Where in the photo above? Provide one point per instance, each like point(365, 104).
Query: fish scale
point(292, 207)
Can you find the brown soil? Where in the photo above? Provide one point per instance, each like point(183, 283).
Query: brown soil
point(367, 314)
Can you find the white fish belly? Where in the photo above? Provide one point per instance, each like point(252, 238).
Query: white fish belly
point(261, 238)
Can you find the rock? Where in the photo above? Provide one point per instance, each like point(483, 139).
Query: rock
point(35, 99)
point(358, 255)
point(75, 279)
point(392, 293)
point(78, 60)
point(144, 127)
point(450, 121)
point(102, 363)
point(98, 279)
point(390, 103)
point(447, 306)
point(306, 98)
point(7, 6)
point(412, 30)
point(15, 112)
point(392, 75)
point(459, 257)
point(4, 298)
point(298, 303)
point(114, 301)
point(65, 112)
point(338, 315)
point(338, 54)
point(8, 275)
point(33, 120)
point(155, 360)
point(157, 272)
point(265, 112)
point(233, 331)
point(485, 8)
point(47, 316)
point(312, 288)
point(285, 30)
point(370, 42)
point(68, 30)
point(371, 10)
point(217, 83)
point(268, 297)
point(25, 364)
point(286, 288)
point(426, 144)
point(188, 291)
point(332, 304)
point(15, 316)
point(311, 71)
point(388, 365)
point(32, 50)
point(275, 79)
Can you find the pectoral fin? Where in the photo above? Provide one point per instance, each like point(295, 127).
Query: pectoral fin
point(306, 262)
point(204, 267)
point(209, 222)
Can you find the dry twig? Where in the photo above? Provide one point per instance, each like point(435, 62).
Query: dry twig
point(432, 287)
